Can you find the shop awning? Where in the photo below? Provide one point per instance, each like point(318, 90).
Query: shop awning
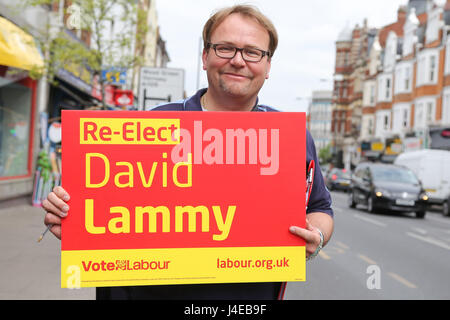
point(17, 48)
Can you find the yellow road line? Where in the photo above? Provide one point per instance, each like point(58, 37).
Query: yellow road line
point(323, 255)
point(402, 280)
point(366, 259)
point(342, 245)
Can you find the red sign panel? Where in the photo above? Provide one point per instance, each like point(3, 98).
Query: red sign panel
point(196, 192)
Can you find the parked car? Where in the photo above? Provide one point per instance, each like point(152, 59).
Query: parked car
point(389, 187)
point(433, 170)
point(338, 179)
point(446, 207)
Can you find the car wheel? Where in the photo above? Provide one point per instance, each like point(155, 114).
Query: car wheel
point(420, 214)
point(351, 199)
point(446, 208)
point(370, 207)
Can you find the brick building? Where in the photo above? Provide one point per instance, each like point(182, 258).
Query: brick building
point(350, 67)
point(405, 84)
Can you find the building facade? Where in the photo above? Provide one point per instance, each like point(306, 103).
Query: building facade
point(152, 47)
point(405, 84)
point(319, 115)
point(19, 98)
point(350, 68)
point(30, 110)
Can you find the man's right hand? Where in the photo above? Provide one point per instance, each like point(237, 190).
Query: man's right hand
point(56, 207)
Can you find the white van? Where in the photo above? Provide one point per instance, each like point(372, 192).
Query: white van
point(432, 167)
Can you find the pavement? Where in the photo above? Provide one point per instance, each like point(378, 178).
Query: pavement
point(30, 270)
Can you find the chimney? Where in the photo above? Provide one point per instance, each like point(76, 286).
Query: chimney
point(401, 13)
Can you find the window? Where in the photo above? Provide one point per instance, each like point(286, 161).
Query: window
point(407, 77)
point(15, 119)
point(380, 87)
point(372, 94)
point(430, 112)
point(425, 112)
point(432, 31)
point(432, 70)
point(385, 87)
point(421, 70)
point(403, 77)
point(370, 126)
point(427, 67)
point(419, 123)
point(383, 123)
point(388, 89)
point(336, 88)
point(400, 117)
point(345, 59)
point(405, 118)
point(386, 122)
point(447, 57)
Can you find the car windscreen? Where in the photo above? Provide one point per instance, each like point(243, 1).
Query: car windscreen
point(394, 175)
point(343, 174)
point(339, 173)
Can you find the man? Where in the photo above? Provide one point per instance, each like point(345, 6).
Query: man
point(239, 43)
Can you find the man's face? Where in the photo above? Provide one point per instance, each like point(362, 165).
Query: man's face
point(237, 78)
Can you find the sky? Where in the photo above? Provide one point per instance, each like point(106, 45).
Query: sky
point(307, 30)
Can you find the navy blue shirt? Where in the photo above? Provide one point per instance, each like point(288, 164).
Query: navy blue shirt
point(319, 201)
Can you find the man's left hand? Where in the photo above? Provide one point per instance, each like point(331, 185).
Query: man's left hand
point(311, 236)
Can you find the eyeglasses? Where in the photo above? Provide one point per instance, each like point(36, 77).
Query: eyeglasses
point(227, 51)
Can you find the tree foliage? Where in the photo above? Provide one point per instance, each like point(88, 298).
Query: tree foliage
point(325, 155)
point(113, 27)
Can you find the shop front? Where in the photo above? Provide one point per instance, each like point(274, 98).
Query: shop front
point(18, 55)
point(394, 146)
point(371, 150)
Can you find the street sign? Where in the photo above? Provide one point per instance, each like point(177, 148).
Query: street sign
point(123, 98)
point(159, 85)
point(116, 76)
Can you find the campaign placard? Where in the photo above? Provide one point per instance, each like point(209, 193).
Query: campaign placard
point(182, 197)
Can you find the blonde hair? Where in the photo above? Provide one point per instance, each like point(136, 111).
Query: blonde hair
point(246, 10)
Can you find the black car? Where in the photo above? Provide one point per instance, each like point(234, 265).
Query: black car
point(387, 186)
point(338, 179)
point(446, 207)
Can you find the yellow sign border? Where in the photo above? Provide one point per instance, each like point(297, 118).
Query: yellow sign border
point(132, 267)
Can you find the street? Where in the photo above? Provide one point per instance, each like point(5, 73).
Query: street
point(30, 270)
point(379, 256)
point(397, 256)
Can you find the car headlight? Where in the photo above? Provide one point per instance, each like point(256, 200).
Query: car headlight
point(423, 196)
point(382, 193)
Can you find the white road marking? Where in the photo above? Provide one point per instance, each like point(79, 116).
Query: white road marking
point(375, 222)
point(420, 230)
point(429, 240)
point(440, 220)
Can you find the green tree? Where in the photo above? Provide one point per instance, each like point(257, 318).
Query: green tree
point(114, 27)
point(325, 155)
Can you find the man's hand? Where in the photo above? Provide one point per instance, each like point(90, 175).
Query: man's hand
point(56, 207)
point(310, 235)
point(314, 221)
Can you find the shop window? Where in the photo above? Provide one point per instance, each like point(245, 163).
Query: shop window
point(15, 115)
